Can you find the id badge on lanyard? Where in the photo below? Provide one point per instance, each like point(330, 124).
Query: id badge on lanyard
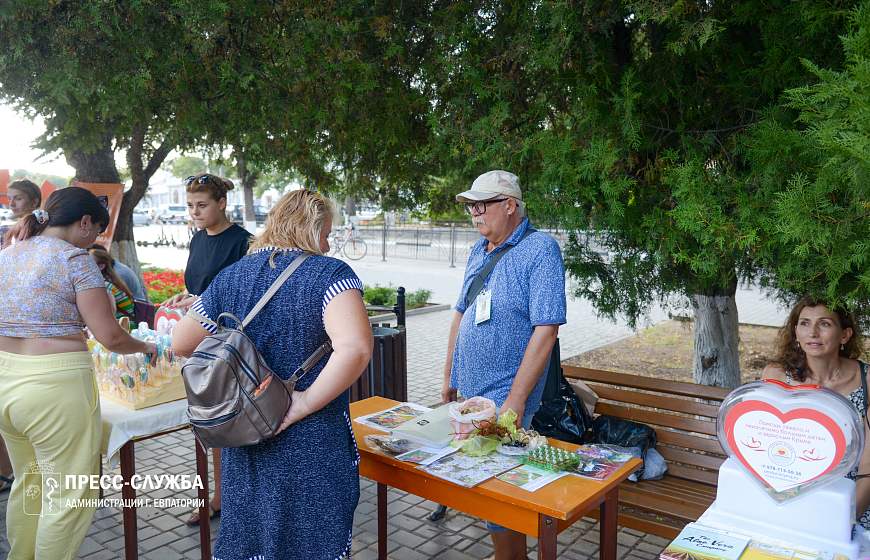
point(484, 306)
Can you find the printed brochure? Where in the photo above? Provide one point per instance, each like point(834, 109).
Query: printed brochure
point(697, 542)
point(426, 455)
point(388, 420)
point(431, 429)
point(599, 461)
point(468, 471)
point(530, 478)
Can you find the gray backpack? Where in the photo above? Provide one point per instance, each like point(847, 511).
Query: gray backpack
point(234, 398)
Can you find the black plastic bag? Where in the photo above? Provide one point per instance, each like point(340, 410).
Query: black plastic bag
point(624, 433)
point(564, 416)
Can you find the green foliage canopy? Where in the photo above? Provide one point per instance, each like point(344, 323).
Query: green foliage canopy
point(626, 120)
point(815, 170)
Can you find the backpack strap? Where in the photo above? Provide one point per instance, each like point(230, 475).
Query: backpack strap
point(480, 280)
point(274, 288)
point(312, 360)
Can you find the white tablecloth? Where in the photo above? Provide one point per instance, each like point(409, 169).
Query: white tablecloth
point(120, 424)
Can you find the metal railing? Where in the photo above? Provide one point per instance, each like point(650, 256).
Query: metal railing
point(442, 240)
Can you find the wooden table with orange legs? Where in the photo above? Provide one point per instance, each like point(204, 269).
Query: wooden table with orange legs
point(128, 494)
point(542, 514)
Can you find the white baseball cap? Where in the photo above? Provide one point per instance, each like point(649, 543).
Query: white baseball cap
point(491, 184)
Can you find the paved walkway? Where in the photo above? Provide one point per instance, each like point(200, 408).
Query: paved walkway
point(163, 534)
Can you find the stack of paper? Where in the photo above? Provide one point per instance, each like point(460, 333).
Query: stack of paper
point(431, 429)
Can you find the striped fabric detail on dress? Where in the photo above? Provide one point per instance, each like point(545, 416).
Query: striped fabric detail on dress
point(355, 448)
point(343, 555)
point(197, 306)
point(346, 553)
point(338, 287)
point(270, 249)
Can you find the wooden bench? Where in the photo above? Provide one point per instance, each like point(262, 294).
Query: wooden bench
point(686, 431)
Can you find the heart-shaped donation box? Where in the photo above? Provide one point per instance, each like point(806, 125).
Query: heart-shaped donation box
point(165, 319)
point(790, 440)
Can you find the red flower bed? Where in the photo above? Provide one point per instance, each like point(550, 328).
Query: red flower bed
point(163, 283)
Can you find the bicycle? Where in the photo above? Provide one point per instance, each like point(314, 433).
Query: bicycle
point(353, 247)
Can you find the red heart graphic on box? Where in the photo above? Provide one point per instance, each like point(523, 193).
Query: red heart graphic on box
point(165, 319)
point(796, 447)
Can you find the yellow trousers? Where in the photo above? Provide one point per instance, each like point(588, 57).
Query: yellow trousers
point(50, 419)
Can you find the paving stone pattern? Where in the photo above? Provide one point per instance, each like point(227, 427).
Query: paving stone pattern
point(164, 535)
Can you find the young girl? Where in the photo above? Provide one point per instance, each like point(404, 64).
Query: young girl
point(24, 197)
point(119, 293)
point(218, 244)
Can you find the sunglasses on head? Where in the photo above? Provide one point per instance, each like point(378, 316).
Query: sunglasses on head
point(201, 180)
point(104, 201)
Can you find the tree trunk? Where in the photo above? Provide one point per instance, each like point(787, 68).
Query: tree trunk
point(716, 361)
point(248, 177)
point(349, 208)
point(250, 217)
point(97, 166)
point(124, 243)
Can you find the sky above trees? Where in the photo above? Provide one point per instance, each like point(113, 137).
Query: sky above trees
point(15, 150)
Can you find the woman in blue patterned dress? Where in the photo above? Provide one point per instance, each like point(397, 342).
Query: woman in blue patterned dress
point(820, 346)
point(292, 496)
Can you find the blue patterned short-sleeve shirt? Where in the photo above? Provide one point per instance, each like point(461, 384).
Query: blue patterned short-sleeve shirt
point(528, 289)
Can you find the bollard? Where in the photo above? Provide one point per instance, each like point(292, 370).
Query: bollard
point(400, 307)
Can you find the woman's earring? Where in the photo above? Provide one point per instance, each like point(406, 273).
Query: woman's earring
point(842, 347)
point(87, 233)
point(797, 343)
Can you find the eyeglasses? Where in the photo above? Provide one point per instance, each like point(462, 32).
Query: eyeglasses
point(480, 206)
point(104, 201)
point(203, 179)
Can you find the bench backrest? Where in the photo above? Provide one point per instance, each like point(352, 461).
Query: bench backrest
point(682, 414)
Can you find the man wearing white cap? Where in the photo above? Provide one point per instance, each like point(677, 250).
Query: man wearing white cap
point(508, 315)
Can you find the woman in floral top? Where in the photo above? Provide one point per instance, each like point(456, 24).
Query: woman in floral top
point(24, 197)
point(49, 403)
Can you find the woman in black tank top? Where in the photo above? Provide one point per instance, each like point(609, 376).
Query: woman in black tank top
point(219, 243)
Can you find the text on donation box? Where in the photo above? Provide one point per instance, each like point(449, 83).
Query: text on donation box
point(784, 449)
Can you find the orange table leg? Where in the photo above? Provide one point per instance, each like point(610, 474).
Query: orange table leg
point(128, 494)
point(382, 521)
point(548, 530)
point(607, 526)
point(202, 494)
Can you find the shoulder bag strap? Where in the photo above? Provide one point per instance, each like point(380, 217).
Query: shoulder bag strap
point(480, 280)
point(274, 288)
point(863, 367)
point(126, 313)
